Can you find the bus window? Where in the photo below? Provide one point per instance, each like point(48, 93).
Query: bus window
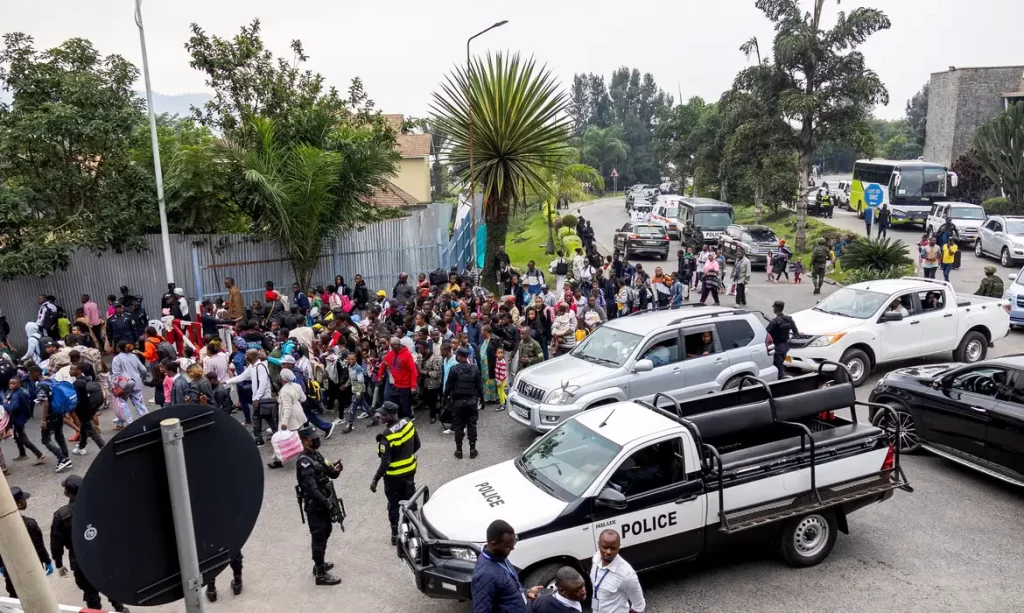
point(910, 183)
point(934, 182)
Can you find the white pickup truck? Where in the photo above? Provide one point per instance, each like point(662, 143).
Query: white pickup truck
point(676, 480)
point(866, 324)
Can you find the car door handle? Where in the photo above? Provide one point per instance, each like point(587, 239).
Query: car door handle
point(687, 499)
point(979, 409)
point(948, 315)
point(914, 323)
point(719, 360)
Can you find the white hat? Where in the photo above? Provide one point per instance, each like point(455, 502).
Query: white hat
point(179, 292)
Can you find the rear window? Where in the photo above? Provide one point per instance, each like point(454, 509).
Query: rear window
point(650, 230)
point(761, 235)
point(735, 334)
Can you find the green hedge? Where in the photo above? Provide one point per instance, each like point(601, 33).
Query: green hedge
point(1000, 206)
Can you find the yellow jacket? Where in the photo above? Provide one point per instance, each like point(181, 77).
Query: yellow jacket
point(948, 253)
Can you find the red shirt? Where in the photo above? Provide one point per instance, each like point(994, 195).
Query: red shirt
point(402, 368)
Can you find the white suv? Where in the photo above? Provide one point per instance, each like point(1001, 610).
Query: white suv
point(683, 352)
point(966, 217)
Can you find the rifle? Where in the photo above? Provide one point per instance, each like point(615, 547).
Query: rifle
point(337, 507)
point(298, 495)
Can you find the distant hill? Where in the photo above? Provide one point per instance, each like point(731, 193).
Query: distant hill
point(177, 104)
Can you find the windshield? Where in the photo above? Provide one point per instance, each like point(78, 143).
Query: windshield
point(910, 183)
point(1015, 226)
point(762, 235)
point(849, 302)
point(608, 346)
point(966, 212)
point(712, 220)
point(934, 182)
point(567, 460)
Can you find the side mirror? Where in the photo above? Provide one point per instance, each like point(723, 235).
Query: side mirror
point(643, 366)
point(941, 383)
point(611, 498)
point(892, 316)
point(1012, 278)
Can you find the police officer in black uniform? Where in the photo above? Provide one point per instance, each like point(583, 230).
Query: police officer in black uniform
point(34, 533)
point(781, 327)
point(314, 473)
point(397, 447)
point(463, 393)
point(60, 539)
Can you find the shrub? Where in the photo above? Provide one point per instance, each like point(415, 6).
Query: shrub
point(569, 220)
point(878, 255)
point(860, 275)
point(563, 232)
point(570, 243)
point(556, 222)
point(1000, 206)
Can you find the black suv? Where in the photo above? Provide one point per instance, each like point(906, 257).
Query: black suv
point(755, 241)
point(636, 238)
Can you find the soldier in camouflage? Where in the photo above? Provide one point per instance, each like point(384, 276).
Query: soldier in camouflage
point(819, 259)
point(991, 285)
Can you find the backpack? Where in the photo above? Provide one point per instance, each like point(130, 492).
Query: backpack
point(561, 267)
point(95, 392)
point(194, 395)
point(346, 304)
point(63, 398)
point(439, 277)
point(166, 351)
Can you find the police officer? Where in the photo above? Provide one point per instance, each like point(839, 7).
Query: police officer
point(60, 539)
point(819, 258)
point(462, 393)
point(397, 447)
point(314, 473)
point(34, 533)
point(826, 202)
point(781, 327)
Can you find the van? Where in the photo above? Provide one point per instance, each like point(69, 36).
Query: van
point(711, 216)
point(666, 211)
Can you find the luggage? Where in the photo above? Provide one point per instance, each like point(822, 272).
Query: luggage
point(63, 398)
point(166, 351)
point(286, 444)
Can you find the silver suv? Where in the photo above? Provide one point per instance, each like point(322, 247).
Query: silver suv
point(684, 352)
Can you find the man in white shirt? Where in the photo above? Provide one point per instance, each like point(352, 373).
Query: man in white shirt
point(560, 268)
point(616, 586)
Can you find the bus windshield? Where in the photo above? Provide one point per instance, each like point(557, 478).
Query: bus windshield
point(921, 183)
point(712, 220)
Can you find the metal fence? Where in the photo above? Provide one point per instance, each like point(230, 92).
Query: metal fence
point(379, 252)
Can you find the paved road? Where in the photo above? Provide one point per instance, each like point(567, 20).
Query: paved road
point(953, 545)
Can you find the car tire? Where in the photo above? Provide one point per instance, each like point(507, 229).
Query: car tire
point(542, 575)
point(972, 349)
point(929, 232)
point(909, 442)
point(664, 256)
point(625, 252)
point(733, 382)
point(1004, 257)
point(979, 252)
point(807, 540)
point(859, 365)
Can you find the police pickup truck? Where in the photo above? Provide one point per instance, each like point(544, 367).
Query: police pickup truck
point(676, 480)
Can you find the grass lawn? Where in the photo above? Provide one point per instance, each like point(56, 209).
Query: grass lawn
point(527, 236)
point(784, 225)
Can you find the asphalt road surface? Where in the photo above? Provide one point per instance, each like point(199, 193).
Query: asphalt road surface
point(953, 545)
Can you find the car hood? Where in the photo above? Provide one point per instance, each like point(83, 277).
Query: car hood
point(815, 322)
point(922, 373)
point(968, 223)
point(462, 509)
point(551, 374)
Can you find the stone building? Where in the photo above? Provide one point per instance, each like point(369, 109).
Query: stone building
point(960, 100)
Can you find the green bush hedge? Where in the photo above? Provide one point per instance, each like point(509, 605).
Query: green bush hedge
point(569, 220)
point(1000, 206)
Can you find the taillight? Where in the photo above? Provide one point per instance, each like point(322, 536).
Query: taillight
point(769, 344)
point(664, 238)
point(634, 236)
point(826, 416)
point(890, 459)
point(1007, 307)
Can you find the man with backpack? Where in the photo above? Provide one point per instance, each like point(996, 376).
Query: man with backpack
point(90, 398)
point(19, 406)
point(52, 426)
point(46, 318)
point(560, 268)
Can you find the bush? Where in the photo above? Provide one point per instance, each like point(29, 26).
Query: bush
point(563, 232)
point(1000, 206)
point(877, 255)
point(861, 275)
point(569, 220)
point(556, 222)
point(570, 243)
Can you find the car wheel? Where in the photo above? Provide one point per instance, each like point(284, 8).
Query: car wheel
point(973, 348)
point(625, 253)
point(733, 382)
point(806, 541)
point(909, 442)
point(978, 251)
point(664, 256)
point(1004, 257)
point(859, 365)
point(542, 575)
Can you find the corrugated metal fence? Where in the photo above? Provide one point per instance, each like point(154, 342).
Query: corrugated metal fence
point(379, 252)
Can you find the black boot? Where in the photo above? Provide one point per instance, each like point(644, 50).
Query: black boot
point(211, 592)
point(325, 578)
point(394, 535)
point(327, 566)
point(458, 453)
point(472, 452)
point(236, 585)
point(275, 464)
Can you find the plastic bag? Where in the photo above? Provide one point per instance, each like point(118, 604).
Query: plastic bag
point(286, 444)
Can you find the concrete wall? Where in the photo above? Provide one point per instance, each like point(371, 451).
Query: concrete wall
point(961, 100)
point(414, 177)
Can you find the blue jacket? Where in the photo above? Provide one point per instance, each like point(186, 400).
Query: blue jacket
point(19, 406)
point(474, 333)
point(301, 300)
point(496, 588)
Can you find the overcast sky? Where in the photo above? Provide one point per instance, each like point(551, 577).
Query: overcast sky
point(403, 49)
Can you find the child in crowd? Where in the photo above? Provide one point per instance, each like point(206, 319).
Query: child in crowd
point(798, 269)
point(501, 377)
point(581, 329)
point(357, 385)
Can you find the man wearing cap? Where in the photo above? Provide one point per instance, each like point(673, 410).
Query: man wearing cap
point(780, 328)
point(383, 304)
point(463, 394)
point(314, 473)
point(402, 375)
point(397, 447)
point(60, 539)
point(21, 499)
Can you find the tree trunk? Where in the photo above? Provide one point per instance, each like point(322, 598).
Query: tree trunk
point(549, 249)
point(806, 151)
point(758, 202)
point(497, 231)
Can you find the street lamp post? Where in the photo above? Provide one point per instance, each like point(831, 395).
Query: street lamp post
point(472, 177)
point(157, 172)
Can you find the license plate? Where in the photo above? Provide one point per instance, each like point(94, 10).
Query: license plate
point(524, 413)
point(650, 242)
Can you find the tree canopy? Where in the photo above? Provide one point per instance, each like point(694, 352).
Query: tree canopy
point(999, 143)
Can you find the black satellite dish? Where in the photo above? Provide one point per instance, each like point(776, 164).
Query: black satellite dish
point(123, 526)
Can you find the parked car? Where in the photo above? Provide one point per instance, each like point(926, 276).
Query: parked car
point(716, 475)
point(1015, 296)
point(841, 195)
point(972, 414)
point(755, 241)
point(967, 218)
point(685, 352)
point(866, 324)
point(638, 238)
point(666, 211)
point(633, 192)
point(1003, 236)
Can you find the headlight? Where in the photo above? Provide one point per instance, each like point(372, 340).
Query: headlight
point(413, 548)
point(562, 394)
point(826, 339)
point(463, 553)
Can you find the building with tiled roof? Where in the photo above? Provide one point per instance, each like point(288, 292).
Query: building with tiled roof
point(392, 196)
point(413, 177)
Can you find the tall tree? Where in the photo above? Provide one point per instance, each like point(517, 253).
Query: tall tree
point(1000, 146)
point(579, 105)
point(831, 89)
point(520, 126)
point(67, 179)
point(678, 136)
point(917, 115)
point(600, 114)
point(973, 184)
point(604, 147)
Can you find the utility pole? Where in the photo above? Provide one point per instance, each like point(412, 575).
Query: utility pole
point(20, 558)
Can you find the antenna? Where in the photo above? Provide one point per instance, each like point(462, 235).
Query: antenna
point(607, 417)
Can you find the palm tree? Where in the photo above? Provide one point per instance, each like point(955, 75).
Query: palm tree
point(604, 147)
point(520, 126)
point(566, 181)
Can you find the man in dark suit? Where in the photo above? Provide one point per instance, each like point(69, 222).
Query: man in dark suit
point(570, 592)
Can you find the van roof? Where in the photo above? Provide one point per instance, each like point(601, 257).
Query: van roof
point(700, 201)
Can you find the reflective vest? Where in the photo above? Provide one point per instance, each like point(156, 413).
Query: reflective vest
point(400, 439)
